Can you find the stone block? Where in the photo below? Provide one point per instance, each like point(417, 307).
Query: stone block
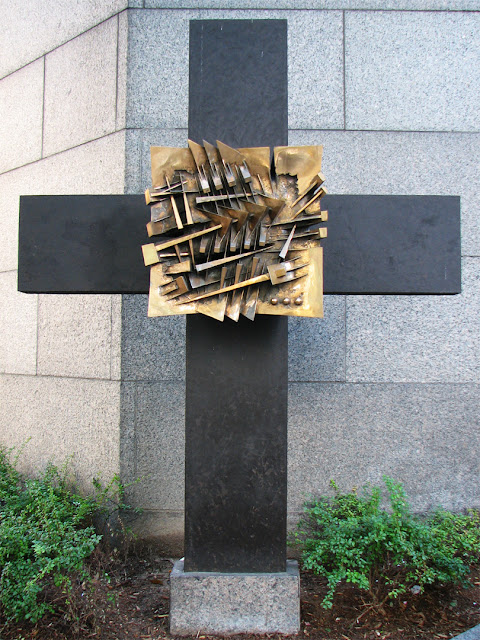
point(97, 167)
point(158, 68)
point(315, 70)
point(229, 603)
point(161, 527)
point(416, 338)
point(159, 446)
point(47, 26)
point(152, 348)
point(412, 71)
point(80, 89)
point(152, 460)
point(133, 161)
point(116, 338)
point(74, 336)
point(127, 434)
point(415, 433)
point(18, 322)
point(62, 418)
point(471, 634)
point(21, 113)
point(138, 152)
point(450, 433)
point(158, 138)
point(404, 163)
point(122, 70)
point(403, 5)
point(316, 346)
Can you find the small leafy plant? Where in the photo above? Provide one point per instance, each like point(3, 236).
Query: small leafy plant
point(385, 552)
point(46, 536)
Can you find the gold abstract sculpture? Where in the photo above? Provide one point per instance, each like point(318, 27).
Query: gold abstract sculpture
point(235, 233)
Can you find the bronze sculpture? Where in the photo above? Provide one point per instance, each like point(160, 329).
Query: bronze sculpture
point(243, 231)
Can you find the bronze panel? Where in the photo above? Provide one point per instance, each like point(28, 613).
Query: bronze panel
point(231, 238)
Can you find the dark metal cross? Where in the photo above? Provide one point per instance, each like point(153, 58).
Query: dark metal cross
point(236, 394)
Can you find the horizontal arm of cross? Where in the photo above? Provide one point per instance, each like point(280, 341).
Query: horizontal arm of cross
point(375, 244)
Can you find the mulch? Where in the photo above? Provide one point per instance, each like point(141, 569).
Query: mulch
point(134, 603)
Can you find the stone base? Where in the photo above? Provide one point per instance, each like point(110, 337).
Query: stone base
point(230, 603)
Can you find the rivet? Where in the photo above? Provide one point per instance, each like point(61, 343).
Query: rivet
point(286, 301)
point(274, 301)
point(298, 301)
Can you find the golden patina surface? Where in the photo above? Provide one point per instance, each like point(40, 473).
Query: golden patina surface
point(230, 237)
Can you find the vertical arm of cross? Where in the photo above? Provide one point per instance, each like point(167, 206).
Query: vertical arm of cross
point(236, 397)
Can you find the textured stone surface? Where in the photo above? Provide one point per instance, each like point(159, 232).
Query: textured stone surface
point(158, 138)
point(64, 417)
point(416, 433)
point(97, 167)
point(471, 634)
point(80, 89)
point(18, 327)
point(133, 161)
point(316, 346)
point(138, 143)
point(116, 337)
point(404, 163)
point(229, 603)
point(164, 528)
point(408, 5)
point(122, 71)
point(315, 70)
point(35, 27)
point(412, 71)
point(21, 111)
point(158, 68)
point(127, 434)
point(74, 335)
point(152, 348)
point(419, 338)
point(159, 445)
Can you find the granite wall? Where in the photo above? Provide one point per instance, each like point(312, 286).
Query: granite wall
point(384, 384)
point(62, 130)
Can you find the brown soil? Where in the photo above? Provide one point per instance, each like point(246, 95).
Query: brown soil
point(134, 604)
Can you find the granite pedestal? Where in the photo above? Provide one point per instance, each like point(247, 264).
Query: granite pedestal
point(230, 603)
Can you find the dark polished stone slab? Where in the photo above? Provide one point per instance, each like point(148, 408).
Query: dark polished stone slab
point(236, 402)
point(238, 89)
point(375, 244)
point(392, 244)
point(82, 244)
point(236, 445)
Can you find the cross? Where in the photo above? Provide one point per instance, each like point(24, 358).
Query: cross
point(236, 393)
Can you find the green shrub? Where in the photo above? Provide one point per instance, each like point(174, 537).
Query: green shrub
point(385, 552)
point(46, 534)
